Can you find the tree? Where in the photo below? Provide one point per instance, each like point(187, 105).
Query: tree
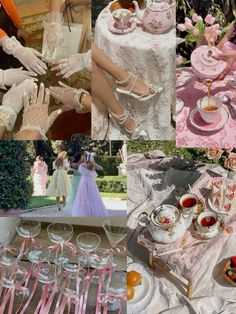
point(15, 188)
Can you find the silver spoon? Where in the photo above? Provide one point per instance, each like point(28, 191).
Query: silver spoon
point(227, 101)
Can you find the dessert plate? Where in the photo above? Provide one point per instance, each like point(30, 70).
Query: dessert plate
point(183, 76)
point(220, 121)
point(143, 292)
point(113, 29)
point(221, 211)
point(220, 225)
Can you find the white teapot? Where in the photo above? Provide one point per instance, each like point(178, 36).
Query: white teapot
point(166, 223)
point(157, 17)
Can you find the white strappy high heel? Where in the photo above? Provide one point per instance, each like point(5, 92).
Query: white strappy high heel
point(134, 134)
point(148, 94)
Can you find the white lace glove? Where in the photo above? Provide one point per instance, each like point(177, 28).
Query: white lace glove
point(15, 76)
point(27, 56)
point(12, 103)
point(69, 96)
point(73, 64)
point(35, 115)
point(52, 35)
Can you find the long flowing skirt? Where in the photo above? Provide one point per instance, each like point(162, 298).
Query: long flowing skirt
point(59, 185)
point(75, 180)
point(88, 201)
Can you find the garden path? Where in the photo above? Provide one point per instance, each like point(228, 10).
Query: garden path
point(115, 206)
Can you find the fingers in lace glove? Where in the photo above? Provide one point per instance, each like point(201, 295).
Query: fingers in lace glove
point(15, 76)
point(13, 99)
point(35, 115)
point(29, 57)
point(68, 96)
point(73, 64)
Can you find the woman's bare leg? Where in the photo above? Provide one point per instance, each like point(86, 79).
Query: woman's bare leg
point(102, 90)
point(117, 72)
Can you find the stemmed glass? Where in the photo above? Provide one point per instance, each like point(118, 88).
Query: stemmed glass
point(88, 242)
point(28, 229)
point(60, 234)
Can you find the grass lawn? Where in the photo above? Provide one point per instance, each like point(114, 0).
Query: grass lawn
point(41, 201)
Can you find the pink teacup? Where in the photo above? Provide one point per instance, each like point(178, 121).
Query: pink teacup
point(122, 18)
point(215, 106)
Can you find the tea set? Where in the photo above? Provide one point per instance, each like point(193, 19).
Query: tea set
point(157, 17)
point(167, 223)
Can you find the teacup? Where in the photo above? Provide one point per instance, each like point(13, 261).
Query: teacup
point(189, 203)
point(207, 221)
point(122, 18)
point(208, 112)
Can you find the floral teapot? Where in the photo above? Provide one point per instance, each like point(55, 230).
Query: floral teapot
point(166, 223)
point(205, 64)
point(157, 17)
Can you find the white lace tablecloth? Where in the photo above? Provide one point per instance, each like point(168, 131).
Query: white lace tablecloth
point(152, 58)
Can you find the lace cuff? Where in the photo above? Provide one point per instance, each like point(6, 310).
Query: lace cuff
point(7, 118)
point(33, 128)
point(2, 79)
point(10, 45)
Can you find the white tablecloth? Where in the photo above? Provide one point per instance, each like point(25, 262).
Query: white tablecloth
point(151, 177)
point(152, 58)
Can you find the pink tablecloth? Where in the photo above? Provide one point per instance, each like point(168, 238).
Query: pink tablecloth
point(186, 134)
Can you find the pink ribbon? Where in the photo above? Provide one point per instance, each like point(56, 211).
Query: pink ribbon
point(60, 246)
point(26, 244)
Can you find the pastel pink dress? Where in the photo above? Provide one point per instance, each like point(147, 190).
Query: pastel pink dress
point(88, 201)
point(228, 46)
point(40, 170)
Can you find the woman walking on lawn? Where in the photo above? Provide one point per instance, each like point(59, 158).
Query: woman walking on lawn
point(39, 172)
point(88, 201)
point(75, 180)
point(60, 183)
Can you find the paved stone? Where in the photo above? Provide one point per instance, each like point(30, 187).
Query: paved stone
point(116, 208)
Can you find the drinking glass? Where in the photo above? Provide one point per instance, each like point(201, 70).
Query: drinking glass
point(72, 285)
point(5, 237)
point(88, 242)
point(115, 289)
point(100, 259)
point(28, 229)
point(60, 234)
point(115, 229)
point(11, 277)
point(10, 255)
point(46, 272)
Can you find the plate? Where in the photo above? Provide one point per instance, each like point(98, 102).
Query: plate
point(183, 76)
point(143, 292)
point(212, 206)
point(209, 235)
point(197, 122)
point(226, 268)
point(113, 29)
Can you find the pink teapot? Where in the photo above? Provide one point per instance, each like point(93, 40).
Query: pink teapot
point(204, 65)
point(158, 16)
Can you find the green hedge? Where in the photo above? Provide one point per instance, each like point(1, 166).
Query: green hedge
point(15, 188)
point(109, 164)
point(112, 184)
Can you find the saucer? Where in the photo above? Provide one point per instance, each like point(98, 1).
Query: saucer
point(220, 121)
point(113, 29)
point(220, 225)
point(183, 76)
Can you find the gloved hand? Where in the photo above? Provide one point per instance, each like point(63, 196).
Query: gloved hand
point(15, 76)
point(69, 96)
point(35, 115)
point(27, 56)
point(52, 35)
point(73, 64)
point(12, 103)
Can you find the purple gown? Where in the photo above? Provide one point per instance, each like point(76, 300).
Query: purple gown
point(88, 201)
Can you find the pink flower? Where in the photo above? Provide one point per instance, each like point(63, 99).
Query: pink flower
point(181, 27)
point(188, 25)
point(179, 60)
point(230, 162)
point(195, 32)
point(213, 153)
point(187, 20)
point(209, 19)
point(196, 18)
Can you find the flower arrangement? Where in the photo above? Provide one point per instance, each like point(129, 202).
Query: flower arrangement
point(226, 157)
point(197, 28)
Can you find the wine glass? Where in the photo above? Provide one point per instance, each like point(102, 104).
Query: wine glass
point(88, 242)
point(28, 229)
point(115, 290)
point(46, 272)
point(10, 255)
point(115, 229)
point(100, 259)
point(72, 285)
point(60, 234)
